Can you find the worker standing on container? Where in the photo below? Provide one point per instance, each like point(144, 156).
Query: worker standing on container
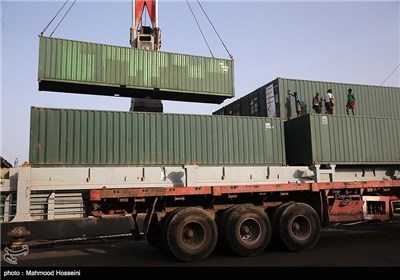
point(297, 102)
point(329, 102)
point(317, 103)
point(351, 101)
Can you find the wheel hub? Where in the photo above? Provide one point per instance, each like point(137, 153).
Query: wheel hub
point(249, 230)
point(301, 227)
point(189, 233)
point(193, 235)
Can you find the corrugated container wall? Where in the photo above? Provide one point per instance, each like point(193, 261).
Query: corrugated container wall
point(64, 137)
point(376, 101)
point(88, 68)
point(343, 140)
point(272, 99)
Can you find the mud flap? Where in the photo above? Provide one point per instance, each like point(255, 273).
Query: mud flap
point(346, 211)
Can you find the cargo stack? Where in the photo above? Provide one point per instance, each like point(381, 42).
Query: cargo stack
point(69, 138)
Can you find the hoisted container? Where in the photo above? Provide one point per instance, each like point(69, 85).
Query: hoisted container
point(89, 68)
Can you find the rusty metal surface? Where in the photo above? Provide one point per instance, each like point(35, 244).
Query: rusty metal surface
point(355, 185)
point(264, 188)
point(149, 192)
point(346, 210)
point(219, 190)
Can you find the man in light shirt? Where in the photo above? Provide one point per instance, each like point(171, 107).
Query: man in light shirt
point(329, 102)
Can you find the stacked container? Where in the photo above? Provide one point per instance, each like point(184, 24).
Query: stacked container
point(65, 137)
point(272, 99)
point(342, 140)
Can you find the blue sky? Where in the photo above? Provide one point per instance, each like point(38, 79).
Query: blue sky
point(338, 41)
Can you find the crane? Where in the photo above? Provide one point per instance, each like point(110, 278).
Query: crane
point(148, 38)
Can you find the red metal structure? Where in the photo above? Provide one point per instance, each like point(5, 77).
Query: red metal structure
point(141, 33)
point(188, 221)
point(140, 5)
point(149, 38)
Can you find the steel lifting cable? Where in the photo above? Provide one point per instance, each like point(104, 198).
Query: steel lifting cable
point(47, 26)
point(201, 31)
point(230, 55)
point(390, 74)
point(63, 18)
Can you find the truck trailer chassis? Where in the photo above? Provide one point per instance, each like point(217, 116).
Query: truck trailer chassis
point(187, 209)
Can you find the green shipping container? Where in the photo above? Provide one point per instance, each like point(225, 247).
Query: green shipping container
point(272, 100)
point(65, 137)
point(88, 68)
point(342, 140)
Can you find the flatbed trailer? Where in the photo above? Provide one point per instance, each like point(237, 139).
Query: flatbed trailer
point(187, 209)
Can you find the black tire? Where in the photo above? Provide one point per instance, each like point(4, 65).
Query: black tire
point(221, 224)
point(153, 236)
point(275, 220)
point(247, 231)
point(190, 234)
point(299, 227)
point(164, 228)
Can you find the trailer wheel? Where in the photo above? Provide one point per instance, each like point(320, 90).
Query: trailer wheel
point(299, 227)
point(164, 228)
point(190, 234)
point(221, 224)
point(153, 236)
point(275, 220)
point(247, 231)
